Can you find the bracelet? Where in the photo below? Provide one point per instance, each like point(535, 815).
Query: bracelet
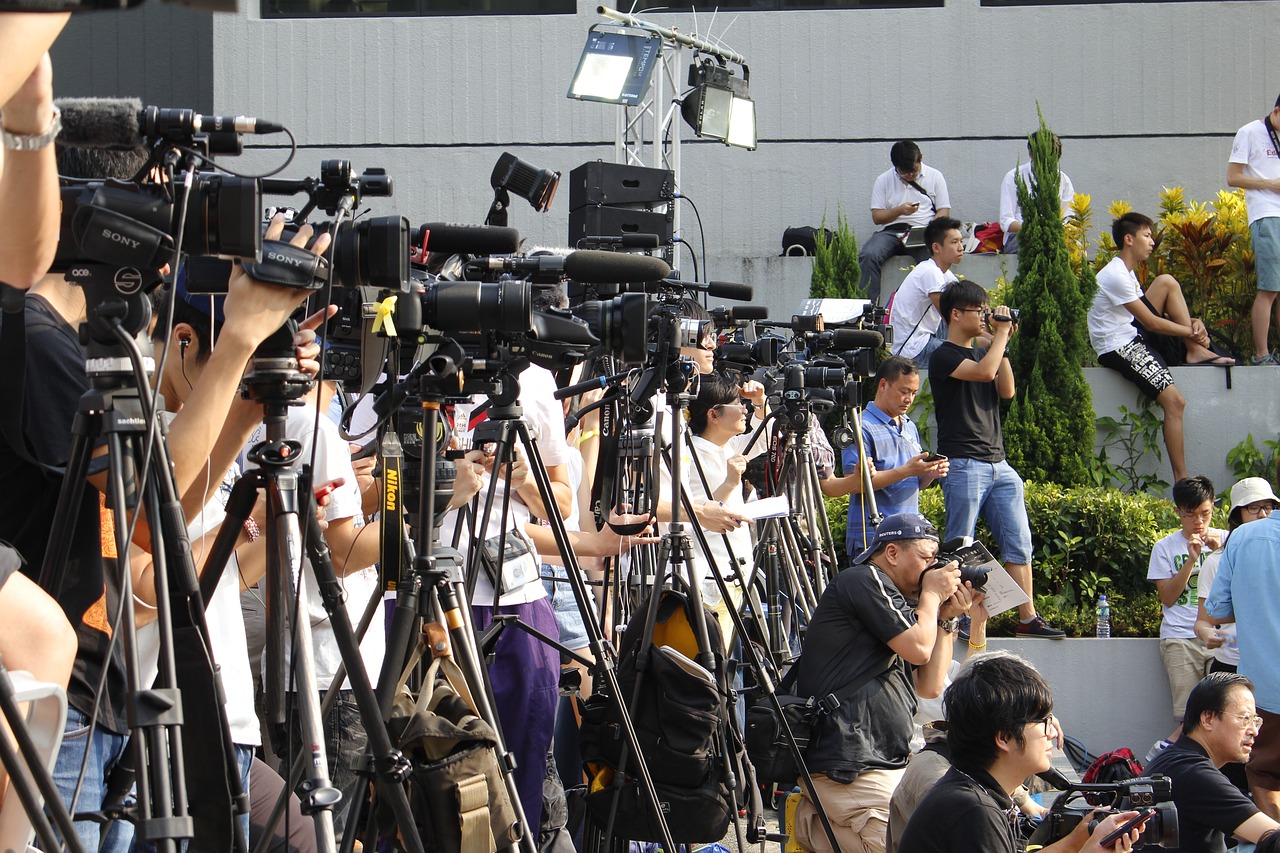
point(976, 647)
point(251, 529)
point(588, 435)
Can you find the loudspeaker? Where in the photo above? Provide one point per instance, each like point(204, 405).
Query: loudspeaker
point(603, 221)
point(598, 182)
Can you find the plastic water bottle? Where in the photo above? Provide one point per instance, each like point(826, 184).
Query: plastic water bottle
point(1103, 612)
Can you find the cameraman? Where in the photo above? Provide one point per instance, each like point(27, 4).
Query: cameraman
point(1001, 729)
point(883, 631)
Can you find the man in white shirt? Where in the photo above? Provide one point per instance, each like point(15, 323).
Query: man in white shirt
point(1165, 331)
point(910, 194)
point(913, 311)
point(1255, 167)
point(1011, 211)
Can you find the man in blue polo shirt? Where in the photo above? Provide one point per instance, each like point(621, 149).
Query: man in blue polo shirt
point(899, 465)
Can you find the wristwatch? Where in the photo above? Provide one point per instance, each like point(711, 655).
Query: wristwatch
point(949, 625)
point(30, 142)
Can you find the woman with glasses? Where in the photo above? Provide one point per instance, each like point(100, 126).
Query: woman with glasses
point(1251, 500)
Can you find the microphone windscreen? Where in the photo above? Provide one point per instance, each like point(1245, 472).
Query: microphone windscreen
point(750, 312)
point(467, 239)
point(730, 290)
point(595, 267)
point(857, 339)
point(100, 123)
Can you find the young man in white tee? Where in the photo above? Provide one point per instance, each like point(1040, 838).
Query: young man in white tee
point(1255, 167)
point(1164, 331)
point(914, 309)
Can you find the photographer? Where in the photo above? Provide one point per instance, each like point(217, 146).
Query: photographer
point(1001, 729)
point(883, 630)
point(968, 384)
point(1219, 727)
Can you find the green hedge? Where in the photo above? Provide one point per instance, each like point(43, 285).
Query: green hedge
point(1085, 540)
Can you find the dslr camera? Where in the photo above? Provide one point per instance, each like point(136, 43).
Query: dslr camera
point(973, 557)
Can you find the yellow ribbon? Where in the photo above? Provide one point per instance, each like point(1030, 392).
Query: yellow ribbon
point(385, 312)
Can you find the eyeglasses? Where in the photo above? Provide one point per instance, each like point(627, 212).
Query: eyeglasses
point(1047, 723)
point(974, 310)
point(1249, 721)
point(1204, 514)
point(1262, 508)
point(738, 405)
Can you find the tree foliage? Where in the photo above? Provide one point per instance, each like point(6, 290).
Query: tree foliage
point(835, 263)
point(1049, 431)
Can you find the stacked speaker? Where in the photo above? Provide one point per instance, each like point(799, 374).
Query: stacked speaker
point(613, 200)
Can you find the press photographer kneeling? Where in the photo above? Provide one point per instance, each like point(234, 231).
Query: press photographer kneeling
point(883, 631)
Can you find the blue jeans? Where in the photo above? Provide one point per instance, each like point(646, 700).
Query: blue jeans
point(995, 490)
point(346, 743)
point(244, 761)
point(104, 751)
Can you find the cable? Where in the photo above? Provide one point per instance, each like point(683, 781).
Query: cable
point(702, 234)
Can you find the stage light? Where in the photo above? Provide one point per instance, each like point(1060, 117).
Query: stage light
point(616, 65)
point(719, 106)
point(513, 175)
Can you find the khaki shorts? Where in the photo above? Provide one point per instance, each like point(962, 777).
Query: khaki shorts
point(1185, 662)
point(859, 812)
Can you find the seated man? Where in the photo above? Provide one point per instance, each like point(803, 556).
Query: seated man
point(1000, 729)
point(1219, 726)
point(914, 310)
point(907, 195)
point(1165, 332)
point(1011, 211)
point(883, 631)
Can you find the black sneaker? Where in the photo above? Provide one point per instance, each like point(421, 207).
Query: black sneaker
point(1037, 627)
point(962, 629)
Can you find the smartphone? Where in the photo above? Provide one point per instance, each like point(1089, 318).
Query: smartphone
point(1127, 827)
point(934, 457)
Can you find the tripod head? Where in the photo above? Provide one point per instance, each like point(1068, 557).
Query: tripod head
point(274, 378)
point(116, 303)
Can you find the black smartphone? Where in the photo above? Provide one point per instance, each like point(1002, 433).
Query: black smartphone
point(1127, 827)
point(934, 457)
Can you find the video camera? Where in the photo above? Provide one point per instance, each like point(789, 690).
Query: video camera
point(1077, 802)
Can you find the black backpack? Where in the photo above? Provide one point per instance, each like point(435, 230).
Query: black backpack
point(687, 734)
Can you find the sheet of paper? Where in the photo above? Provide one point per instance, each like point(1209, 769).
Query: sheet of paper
point(1003, 592)
point(774, 507)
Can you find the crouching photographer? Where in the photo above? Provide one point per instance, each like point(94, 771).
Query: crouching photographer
point(1000, 729)
point(883, 631)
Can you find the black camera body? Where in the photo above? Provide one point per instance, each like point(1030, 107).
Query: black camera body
point(1015, 315)
point(1078, 802)
point(973, 557)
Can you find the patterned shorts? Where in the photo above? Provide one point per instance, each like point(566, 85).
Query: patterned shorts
point(1137, 363)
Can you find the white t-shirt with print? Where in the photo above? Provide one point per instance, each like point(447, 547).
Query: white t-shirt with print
point(1168, 556)
point(1110, 323)
point(1254, 149)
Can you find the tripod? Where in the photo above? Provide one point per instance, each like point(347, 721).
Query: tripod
point(118, 409)
point(275, 382)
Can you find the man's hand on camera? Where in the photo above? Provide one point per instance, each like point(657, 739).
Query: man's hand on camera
point(959, 602)
point(307, 345)
point(468, 479)
point(942, 582)
point(1107, 825)
point(255, 310)
point(999, 326)
point(753, 391)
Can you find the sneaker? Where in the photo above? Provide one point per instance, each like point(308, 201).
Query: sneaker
point(1264, 360)
point(1037, 627)
point(1156, 748)
point(962, 630)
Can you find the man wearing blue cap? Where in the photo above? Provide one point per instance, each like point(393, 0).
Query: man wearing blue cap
point(883, 631)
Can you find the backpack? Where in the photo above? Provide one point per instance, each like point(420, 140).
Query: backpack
point(683, 722)
point(1114, 766)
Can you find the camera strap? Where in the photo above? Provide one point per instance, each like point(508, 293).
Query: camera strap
point(933, 207)
point(391, 513)
point(289, 266)
point(1275, 140)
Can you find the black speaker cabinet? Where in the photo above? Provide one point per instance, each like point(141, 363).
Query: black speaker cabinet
point(603, 221)
point(598, 182)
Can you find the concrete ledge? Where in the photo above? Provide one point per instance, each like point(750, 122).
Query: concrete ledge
point(1108, 693)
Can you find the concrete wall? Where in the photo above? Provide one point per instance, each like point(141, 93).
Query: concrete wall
point(1147, 95)
point(1108, 693)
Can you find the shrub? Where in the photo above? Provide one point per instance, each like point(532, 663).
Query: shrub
point(1085, 540)
point(835, 263)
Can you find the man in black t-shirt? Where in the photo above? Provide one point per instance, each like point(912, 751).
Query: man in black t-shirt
point(867, 644)
point(1219, 726)
point(968, 384)
point(1000, 730)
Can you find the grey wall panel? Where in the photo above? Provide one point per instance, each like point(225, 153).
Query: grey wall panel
point(160, 53)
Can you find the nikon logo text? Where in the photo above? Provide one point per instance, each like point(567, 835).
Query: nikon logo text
point(120, 238)
point(284, 259)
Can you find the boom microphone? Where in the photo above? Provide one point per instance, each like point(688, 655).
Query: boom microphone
point(730, 290)
point(589, 267)
point(125, 123)
point(845, 339)
point(452, 239)
point(725, 316)
point(718, 289)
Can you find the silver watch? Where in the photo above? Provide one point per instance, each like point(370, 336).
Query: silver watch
point(950, 625)
point(28, 142)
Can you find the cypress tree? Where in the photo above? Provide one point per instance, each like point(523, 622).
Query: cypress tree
point(1049, 430)
point(835, 263)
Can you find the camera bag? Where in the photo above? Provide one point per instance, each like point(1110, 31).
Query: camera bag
point(456, 790)
point(767, 745)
